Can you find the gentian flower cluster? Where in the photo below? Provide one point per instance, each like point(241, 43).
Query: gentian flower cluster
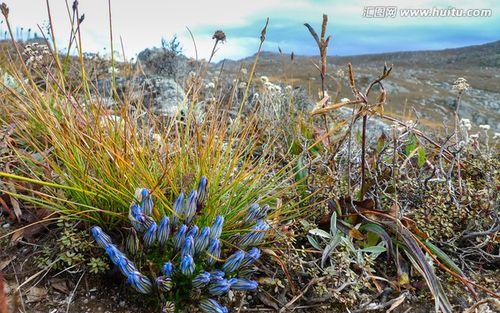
point(189, 259)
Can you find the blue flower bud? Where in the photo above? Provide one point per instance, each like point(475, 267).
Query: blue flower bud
point(180, 236)
point(211, 306)
point(139, 282)
point(201, 280)
point(126, 266)
point(150, 235)
point(132, 243)
point(253, 212)
point(143, 195)
point(163, 231)
point(256, 213)
point(213, 251)
point(114, 254)
point(250, 257)
point(187, 247)
point(100, 236)
point(233, 262)
point(178, 208)
point(164, 283)
point(216, 228)
point(243, 284)
point(216, 274)
point(255, 236)
point(191, 207)
point(187, 265)
point(202, 191)
point(218, 287)
point(193, 231)
point(201, 241)
point(168, 269)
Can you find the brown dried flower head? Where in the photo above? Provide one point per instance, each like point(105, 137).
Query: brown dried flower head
point(219, 36)
point(5, 9)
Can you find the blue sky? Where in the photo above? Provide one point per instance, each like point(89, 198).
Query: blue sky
point(142, 24)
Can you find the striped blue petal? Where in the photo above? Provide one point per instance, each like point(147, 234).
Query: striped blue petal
point(212, 306)
point(140, 282)
point(201, 280)
point(191, 207)
point(218, 287)
point(164, 283)
point(168, 269)
point(213, 251)
point(163, 231)
point(187, 247)
point(233, 262)
point(187, 265)
point(250, 257)
point(180, 236)
point(150, 235)
point(100, 236)
point(216, 228)
point(243, 284)
point(201, 241)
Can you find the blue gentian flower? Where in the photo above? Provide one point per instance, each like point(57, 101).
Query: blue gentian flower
point(178, 208)
point(126, 266)
point(114, 254)
point(211, 306)
point(252, 214)
point(202, 191)
point(201, 241)
point(163, 231)
point(191, 207)
point(250, 257)
point(100, 236)
point(216, 228)
point(217, 274)
point(150, 235)
point(187, 265)
point(187, 247)
point(132, 243)
point(233, 262)
point(243, 284)
point(218, 287)
point(164, 283)
point(255, 236)
point(180, 236)
point(168, 269)
point(139, 282)
point(201, 280)
point(213, 251)
point(146, 201)
point(193, 231)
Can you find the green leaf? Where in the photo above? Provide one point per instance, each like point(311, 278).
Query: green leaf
point(412, 144)
point(314, 243)
point(321, 233)
point(444, 257)
point(333, 224)
point(421, 157)
point(374, 249)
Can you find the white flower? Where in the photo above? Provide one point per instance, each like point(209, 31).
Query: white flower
point(244, 71)
point(264, 79)
point(474, 136)
point(496, 136)
point(210, 85)
point(484, 127)
point(288, 88)
point(344, 100)
point(466, 123)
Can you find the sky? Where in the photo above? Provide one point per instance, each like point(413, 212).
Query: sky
point(142, 24)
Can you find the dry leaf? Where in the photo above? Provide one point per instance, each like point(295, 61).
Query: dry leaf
point(36, 294)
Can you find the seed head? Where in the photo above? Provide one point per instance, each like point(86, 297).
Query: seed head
point(219, 35)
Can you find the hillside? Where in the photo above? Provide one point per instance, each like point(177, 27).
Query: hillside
point(420, 80)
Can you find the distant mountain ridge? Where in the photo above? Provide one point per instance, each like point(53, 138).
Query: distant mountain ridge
point(484, 55)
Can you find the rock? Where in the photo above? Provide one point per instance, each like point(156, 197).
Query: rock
point(163, 95)
point(164, 62)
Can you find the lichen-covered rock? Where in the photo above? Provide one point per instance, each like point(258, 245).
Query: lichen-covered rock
point(161, 95)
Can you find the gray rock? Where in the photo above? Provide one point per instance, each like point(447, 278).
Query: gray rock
point(160, 94)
